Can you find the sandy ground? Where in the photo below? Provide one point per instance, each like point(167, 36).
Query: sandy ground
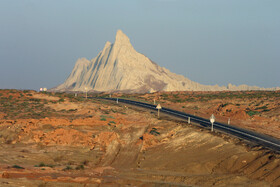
point(96, 143)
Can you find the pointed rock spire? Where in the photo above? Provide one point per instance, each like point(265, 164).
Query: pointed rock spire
point(119, 67)
point(121, 38)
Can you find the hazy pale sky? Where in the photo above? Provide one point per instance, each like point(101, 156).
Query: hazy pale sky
point(209, 41)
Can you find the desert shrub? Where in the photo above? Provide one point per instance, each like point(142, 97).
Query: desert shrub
point(154, 132)
point(35, 100)
point(176, 96)
point(176, 100)
point(252, 113)
point(70, 162)
point(85, 162)
point(224, 105)
point(190, 99)
point(67, 168)
point(80, 167)
point(61, 100)
point(24, 104)
point(17, 167)
point(42, 164)
point(260, 108)
point(111, 125)
point(103, 119)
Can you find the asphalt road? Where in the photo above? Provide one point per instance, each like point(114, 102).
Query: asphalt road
point(259, 139)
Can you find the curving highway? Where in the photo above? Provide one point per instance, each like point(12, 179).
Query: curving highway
point(260, 139)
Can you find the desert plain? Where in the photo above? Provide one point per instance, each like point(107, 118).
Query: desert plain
point(57, 139)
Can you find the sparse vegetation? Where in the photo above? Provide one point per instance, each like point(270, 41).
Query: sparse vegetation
point(69, 137)
point(80, 167)
point(67, 168)
point(252, 113)
point(61, 100)
point(154, 132)
point(17, 167)
point(85, 162)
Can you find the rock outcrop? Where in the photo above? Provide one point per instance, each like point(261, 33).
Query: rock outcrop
point(119, 67)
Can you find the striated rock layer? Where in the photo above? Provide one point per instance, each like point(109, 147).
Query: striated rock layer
point(119, 67)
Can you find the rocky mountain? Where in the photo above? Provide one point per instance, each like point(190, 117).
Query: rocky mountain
point(119, 67)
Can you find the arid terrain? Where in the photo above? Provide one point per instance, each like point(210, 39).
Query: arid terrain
point(255, 110)
point(57, 139)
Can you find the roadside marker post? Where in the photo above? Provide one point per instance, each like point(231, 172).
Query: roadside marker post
point(154, 101)
point(86, 91)
point(117, 100)
point(228, 121)
point(189, 120)
point(158, 107)
point(212, 120)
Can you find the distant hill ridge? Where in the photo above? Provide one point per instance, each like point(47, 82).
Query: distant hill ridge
point(119, 67)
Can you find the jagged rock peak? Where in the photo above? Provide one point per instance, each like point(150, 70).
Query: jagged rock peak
point(119, 67)
point(121, 38)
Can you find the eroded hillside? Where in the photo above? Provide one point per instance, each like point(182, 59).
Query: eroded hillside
point(58, 139)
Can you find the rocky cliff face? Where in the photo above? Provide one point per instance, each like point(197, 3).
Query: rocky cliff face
point(118, 67)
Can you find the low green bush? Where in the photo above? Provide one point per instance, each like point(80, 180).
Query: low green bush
point(154, 132)
point(80, 167)
point(252, 113)
point(17, 167)
point(67, 168)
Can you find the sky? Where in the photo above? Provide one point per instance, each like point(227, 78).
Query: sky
point(210, 42)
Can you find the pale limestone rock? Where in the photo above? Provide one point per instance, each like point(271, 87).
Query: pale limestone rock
point(118, 67)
